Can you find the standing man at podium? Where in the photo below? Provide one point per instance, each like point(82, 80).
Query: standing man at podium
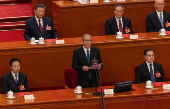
point(158, 19)
point(149, 70)
point(40, 26)
point(118, 23)
point(82, 60)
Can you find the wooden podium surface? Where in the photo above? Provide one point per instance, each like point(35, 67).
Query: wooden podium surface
point(139, 98)
point(72, 19)
point(44, 64)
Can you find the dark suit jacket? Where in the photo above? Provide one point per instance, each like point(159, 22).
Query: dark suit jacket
point(143, 75)
point(8, 83)
point(153, 23)
point(32, 29)
point(111, 27)
point(80, 60)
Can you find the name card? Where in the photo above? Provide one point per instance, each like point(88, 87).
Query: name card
point(166, 86)
point(93, 1)
point(60, 41)
point(31, 96)
point(133, 36)
point(108, 91)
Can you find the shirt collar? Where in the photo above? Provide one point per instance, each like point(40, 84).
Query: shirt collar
point(118, 19)
point(14, 73)
point(86, 49)
point(148, 64)
point(159, 12)
point(37, 19)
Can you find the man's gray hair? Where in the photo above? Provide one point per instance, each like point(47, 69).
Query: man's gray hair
point(119, 5)
point(85, 35)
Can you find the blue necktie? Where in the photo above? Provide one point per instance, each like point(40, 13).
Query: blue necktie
point(152, 74)
point(88, 56)
point(161, 20)
point(16, 80)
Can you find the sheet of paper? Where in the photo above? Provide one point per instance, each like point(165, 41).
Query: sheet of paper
point(23, 93)
point(96, 66)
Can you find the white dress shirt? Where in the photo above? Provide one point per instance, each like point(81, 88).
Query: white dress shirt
point(85, 50)
point(117, 20)
point(158, 13)
point(38, 21)
point(13, 74)
point(148, 64)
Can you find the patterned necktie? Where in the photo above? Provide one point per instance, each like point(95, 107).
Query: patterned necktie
point(40, 26)
point(152, 74)
point(161, 20)
point(16, 79)
point(88, 56)
point(120, 26)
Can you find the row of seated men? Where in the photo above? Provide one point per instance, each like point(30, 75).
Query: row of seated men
point(39, 25)
point(154, 22)
point(81, 62)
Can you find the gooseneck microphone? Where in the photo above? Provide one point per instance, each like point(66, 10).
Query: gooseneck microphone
point(95, 62)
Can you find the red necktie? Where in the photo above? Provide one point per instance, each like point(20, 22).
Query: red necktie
point(40, 26)
point(120, 26)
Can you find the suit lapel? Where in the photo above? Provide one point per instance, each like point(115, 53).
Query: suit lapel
point(36, 25)
point(84, 55)
point(165, 17)
point(115, 23)
point(124, 23)
point(146, 68)
point(154, 66)
point(12, 79)
point(44, 25)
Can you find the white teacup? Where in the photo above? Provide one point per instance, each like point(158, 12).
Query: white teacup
point(162, 31)
point(32, 40)
point(41, 40)
point(78, 90)
point(148, 83)
point(10, 94)
point(119, 34)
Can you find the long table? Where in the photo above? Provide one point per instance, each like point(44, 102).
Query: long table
point(44, 64)
point(72, 19)
point(139, 98)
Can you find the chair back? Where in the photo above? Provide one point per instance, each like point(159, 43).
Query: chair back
point(70, 78)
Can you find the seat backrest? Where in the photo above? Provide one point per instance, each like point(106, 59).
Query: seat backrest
point(0, 85)
point(70, 77)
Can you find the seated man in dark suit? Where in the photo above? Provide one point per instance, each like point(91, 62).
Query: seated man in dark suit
point(14, 80)
point(118, 23)
point(158, 19)
point(82, 60)
point(149, 70)
point(40, 26)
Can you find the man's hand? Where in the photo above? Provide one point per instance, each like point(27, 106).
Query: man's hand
point(85, 68)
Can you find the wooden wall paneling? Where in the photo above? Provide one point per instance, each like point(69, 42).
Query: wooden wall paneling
point(7, 52)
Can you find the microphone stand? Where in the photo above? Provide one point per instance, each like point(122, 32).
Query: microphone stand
point(99, 84)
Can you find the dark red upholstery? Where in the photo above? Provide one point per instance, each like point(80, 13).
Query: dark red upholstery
point(70, 77)
point(0, 85)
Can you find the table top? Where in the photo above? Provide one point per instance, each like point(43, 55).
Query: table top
point(143, 37)
point(64, 95)
point(65, 4)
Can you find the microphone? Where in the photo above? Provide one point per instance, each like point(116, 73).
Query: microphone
point(95, 62)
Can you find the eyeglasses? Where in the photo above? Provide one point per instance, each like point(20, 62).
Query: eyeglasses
point(118, 11)
point(150, 55)
point(87, 40)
